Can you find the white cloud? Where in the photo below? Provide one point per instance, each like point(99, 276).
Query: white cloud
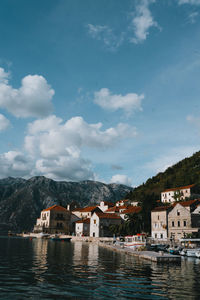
point(4, 123)
point(14, 163)
point(129, 102)
point(32, 99)
point(121, 179)
point(106, 34)
point(193, 2)
point(57, 146)
point(142, 21)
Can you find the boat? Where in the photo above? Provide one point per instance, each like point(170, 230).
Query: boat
point(135, 241)
point(191, 252)
point(175, 250)
point(198, 253)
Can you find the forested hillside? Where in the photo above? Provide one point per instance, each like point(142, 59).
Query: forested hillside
point(185, 172)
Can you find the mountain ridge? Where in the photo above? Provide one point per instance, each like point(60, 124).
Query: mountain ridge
point(21, 200)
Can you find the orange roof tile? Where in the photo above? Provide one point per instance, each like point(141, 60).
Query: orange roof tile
point(112, 209)
point(161, 208)
point(56, 207)
point(107, 216)
point(89, 208)
point(132, 209)
point(179, 188)
point(185, 203)
point(85, 221)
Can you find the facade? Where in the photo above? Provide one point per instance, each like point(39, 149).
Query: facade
point(159, 222)
point(179, 193)
point(182, 220)
point(83, 227)
point(100, 223)
point(54, 219)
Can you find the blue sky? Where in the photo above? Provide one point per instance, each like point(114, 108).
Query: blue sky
point(101, 90)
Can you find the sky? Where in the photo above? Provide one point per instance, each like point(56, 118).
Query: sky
point(98, 90)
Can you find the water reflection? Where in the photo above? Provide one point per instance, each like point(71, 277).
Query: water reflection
point(42, 269)
point(40, 265)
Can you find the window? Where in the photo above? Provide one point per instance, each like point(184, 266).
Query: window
point(155, 225)
point(178, 213)
point(184, 223)
point(161, 236)
point(94, 221)
point(155, 235)
point(158, 217)
point(178, 223)
point(172, 223)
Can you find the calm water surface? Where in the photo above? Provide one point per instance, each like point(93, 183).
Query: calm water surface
point(42, 269)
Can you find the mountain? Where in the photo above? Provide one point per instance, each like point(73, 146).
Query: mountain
point(22, 200)
point(185, 172)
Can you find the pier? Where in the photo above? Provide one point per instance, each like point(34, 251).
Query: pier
point(159, 257)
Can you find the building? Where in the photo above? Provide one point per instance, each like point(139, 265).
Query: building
point(83, 227)
point(104, 205)
point(159, 222)
point(86, 212)
point(179, 193)
point(122, 202)
point(100, 224)
point(54, 219)
point(183, 220)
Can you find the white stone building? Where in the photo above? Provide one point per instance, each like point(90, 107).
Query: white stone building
point(159, 222)
point(100, 223)
point(183, 220)
point(179, 193)
point(54, 219)
point(83, 227)
point(104, 205)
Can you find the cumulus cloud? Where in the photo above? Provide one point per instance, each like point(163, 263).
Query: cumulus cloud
point(14, 163)
point(106, 35)
point(32, 99)
point(121, 179)
point(129, 102)
point(4, 123)
point(57, 146)
point(142, 21)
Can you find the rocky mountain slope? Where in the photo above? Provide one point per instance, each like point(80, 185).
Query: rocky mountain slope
point(22, 200)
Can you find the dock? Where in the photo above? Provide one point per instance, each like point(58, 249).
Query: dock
point(159, 257)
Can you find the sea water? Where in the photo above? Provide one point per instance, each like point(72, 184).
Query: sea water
point(46, 269)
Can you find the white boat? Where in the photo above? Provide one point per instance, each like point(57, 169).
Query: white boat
point(192, 252)
point(198, 253)
point(183, 252)
point(135, 241)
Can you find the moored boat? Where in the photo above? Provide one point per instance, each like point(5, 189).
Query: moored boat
point(135, 241)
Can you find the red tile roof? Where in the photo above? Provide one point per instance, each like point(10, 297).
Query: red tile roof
point(56, 207)
point(179, 188)
point(89, 208)
point(185, 203)
point(112, 209)
point(85, 221)
point(161, 208)
point(132, 209)
point(107, 216)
